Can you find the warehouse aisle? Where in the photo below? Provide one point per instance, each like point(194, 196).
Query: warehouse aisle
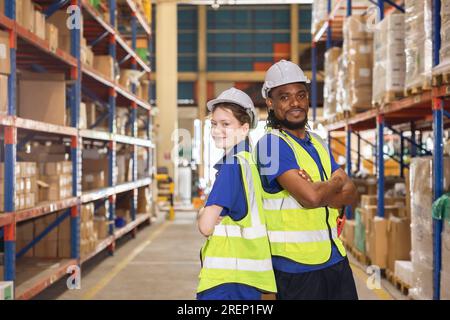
point(161, 263)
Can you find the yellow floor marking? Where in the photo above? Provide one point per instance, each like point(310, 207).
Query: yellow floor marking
point(380, 293)
point(115, 271)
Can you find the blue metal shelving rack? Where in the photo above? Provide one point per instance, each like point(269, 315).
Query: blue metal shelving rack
point(407, 110)
point(105, 39)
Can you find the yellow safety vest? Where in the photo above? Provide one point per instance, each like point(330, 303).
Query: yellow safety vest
point(300, 234)
point(239, 251)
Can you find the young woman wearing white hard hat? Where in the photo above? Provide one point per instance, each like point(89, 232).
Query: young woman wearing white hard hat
point(236, 259)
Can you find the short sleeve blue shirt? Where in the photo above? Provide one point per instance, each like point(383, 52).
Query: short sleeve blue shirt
point(228, 192)
point(275, 157)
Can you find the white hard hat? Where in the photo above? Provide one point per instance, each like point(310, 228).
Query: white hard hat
point(240, 98)
point(281, 73)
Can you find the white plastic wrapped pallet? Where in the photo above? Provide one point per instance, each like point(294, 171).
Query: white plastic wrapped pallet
point(330, 83)
point(389, 58)
point(418, 43)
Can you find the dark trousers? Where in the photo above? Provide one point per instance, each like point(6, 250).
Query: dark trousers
point(332, 283)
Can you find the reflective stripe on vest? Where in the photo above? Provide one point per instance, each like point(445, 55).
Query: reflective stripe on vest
point(287, 203)
point(301, 236)
point(237, 264)
point(224, 230)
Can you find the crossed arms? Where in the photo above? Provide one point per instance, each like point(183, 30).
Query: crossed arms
point(336, 192)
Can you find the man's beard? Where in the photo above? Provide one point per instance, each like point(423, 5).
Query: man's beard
point(284, 123)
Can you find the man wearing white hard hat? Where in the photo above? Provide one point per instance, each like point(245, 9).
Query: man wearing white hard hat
point(305, 189)
point(236, 259)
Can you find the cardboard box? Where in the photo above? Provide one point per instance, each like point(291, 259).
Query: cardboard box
point(64, 43)
point(144, 200)
point(25, 14)
point(368, 200)
point(92, 181)
point(349, 232)
point(104, 64)
point(3, 94)
point(47, 247)
point(89, 56)
point(6, 290)
point(101, 226)
point(59, 20)
point(399, 240)
point(39, 24)
point(445, 286)
point(378, 243)
point(403, 271)
point(43, 100)
point(24, 235)
point(51, 35)
point(5, 61)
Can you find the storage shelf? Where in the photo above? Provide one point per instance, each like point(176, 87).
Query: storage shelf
point(413, 108)
point(131, 7)
point(92, 31)
point(104, 243)
point(97, 194)
point(96, 135)
point(35, 274)
point(140, 218)
point(45, 208)
point(33, 50)
point(34, 125)
point(32, 275)
point(6, 218)
point(124, 96)
point(6, 22)
point(102, 193)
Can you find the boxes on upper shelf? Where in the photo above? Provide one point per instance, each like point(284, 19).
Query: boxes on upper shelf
point(5, 61)
point(51, 35)
point(42, 97)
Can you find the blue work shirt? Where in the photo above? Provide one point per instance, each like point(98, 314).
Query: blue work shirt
point(228, 192)
point(274, 158)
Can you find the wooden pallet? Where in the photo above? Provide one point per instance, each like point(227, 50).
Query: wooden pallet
point(396, 282)
point(441, 79)
point(417, 90)
point(390, 96)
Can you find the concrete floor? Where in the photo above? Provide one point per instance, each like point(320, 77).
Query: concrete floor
point(162, 263)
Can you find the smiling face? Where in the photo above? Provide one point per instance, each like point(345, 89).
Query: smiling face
point(290, 105)
point(226, 129)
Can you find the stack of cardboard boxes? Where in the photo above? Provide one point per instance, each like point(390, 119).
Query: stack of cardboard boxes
point(389, 58)
point(330, 87)
point(383, 240)
point(88, 236)
point(358, 49)
point(55, 180)
point(418, 43)
point(26, 186)
point(95, 171)
point(35, 21)
point(5, 70)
